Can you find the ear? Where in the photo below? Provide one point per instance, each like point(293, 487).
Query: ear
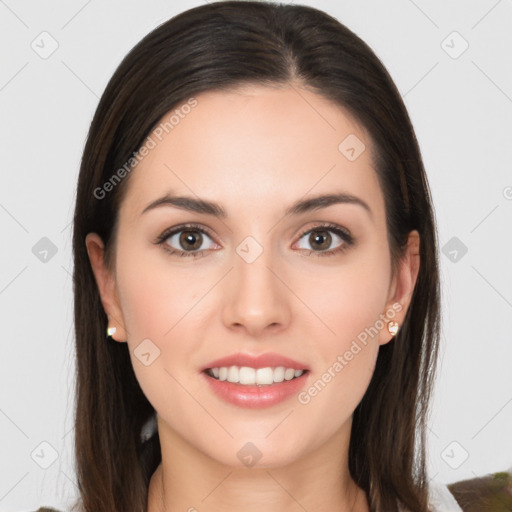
point(106, 285)
point(402, 287)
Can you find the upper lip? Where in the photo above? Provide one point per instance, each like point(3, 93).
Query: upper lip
point(256, 361)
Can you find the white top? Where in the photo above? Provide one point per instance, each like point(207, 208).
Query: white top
point(441, 499)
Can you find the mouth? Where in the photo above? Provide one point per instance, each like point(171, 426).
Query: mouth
point(255, 388)
point(248, 376)
point(255, 381)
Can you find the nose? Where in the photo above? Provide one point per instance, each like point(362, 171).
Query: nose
point(256, 296)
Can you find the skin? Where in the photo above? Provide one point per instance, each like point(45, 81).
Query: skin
point(255, 150)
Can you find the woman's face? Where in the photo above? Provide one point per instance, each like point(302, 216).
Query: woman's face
point(261, 282)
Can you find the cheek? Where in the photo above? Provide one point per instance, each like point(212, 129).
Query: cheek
point(158, 315)
point(154, 313)
point(345, 359)
point(154, 296)
point(349, 302)
point(350, 298)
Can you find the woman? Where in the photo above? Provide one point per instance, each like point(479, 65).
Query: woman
point(254, 231)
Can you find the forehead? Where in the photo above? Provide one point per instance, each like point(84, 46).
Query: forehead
point(253, 144)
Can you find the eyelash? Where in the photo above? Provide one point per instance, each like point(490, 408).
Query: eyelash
point(342, 233)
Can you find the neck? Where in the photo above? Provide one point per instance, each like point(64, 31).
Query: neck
point(189, 480)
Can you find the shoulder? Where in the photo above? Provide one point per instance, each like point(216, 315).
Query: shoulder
point(492, 492)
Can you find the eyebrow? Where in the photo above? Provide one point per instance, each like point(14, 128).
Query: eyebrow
point(206, 207)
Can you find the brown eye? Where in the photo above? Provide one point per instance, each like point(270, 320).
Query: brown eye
point(190, 240)
point(186, 241)
point(320, 240)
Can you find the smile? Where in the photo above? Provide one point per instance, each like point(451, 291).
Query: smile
point(255, 391)
point(246, 375)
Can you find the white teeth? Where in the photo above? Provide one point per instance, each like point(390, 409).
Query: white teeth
point(251, 376)
point(264, 376)
point(233, 374)
point(289, 373)
point(279, 374)
point(247, 375)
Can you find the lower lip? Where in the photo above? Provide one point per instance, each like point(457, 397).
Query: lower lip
point(255, 397)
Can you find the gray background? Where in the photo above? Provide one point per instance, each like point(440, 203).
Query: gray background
point(460, 103)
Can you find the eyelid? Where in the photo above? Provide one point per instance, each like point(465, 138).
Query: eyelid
point(318, 224)
point(340, 231)
point(343, 232)
point(183, 227)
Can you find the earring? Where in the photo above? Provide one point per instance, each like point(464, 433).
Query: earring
point(111, 331)
point(393, 328)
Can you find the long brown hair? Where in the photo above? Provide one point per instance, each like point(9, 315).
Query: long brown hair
point(216, 46)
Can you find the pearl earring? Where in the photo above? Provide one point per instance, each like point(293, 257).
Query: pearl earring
point(111, 331)
point(393, 328)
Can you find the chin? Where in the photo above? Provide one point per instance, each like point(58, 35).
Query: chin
point(254, 453)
